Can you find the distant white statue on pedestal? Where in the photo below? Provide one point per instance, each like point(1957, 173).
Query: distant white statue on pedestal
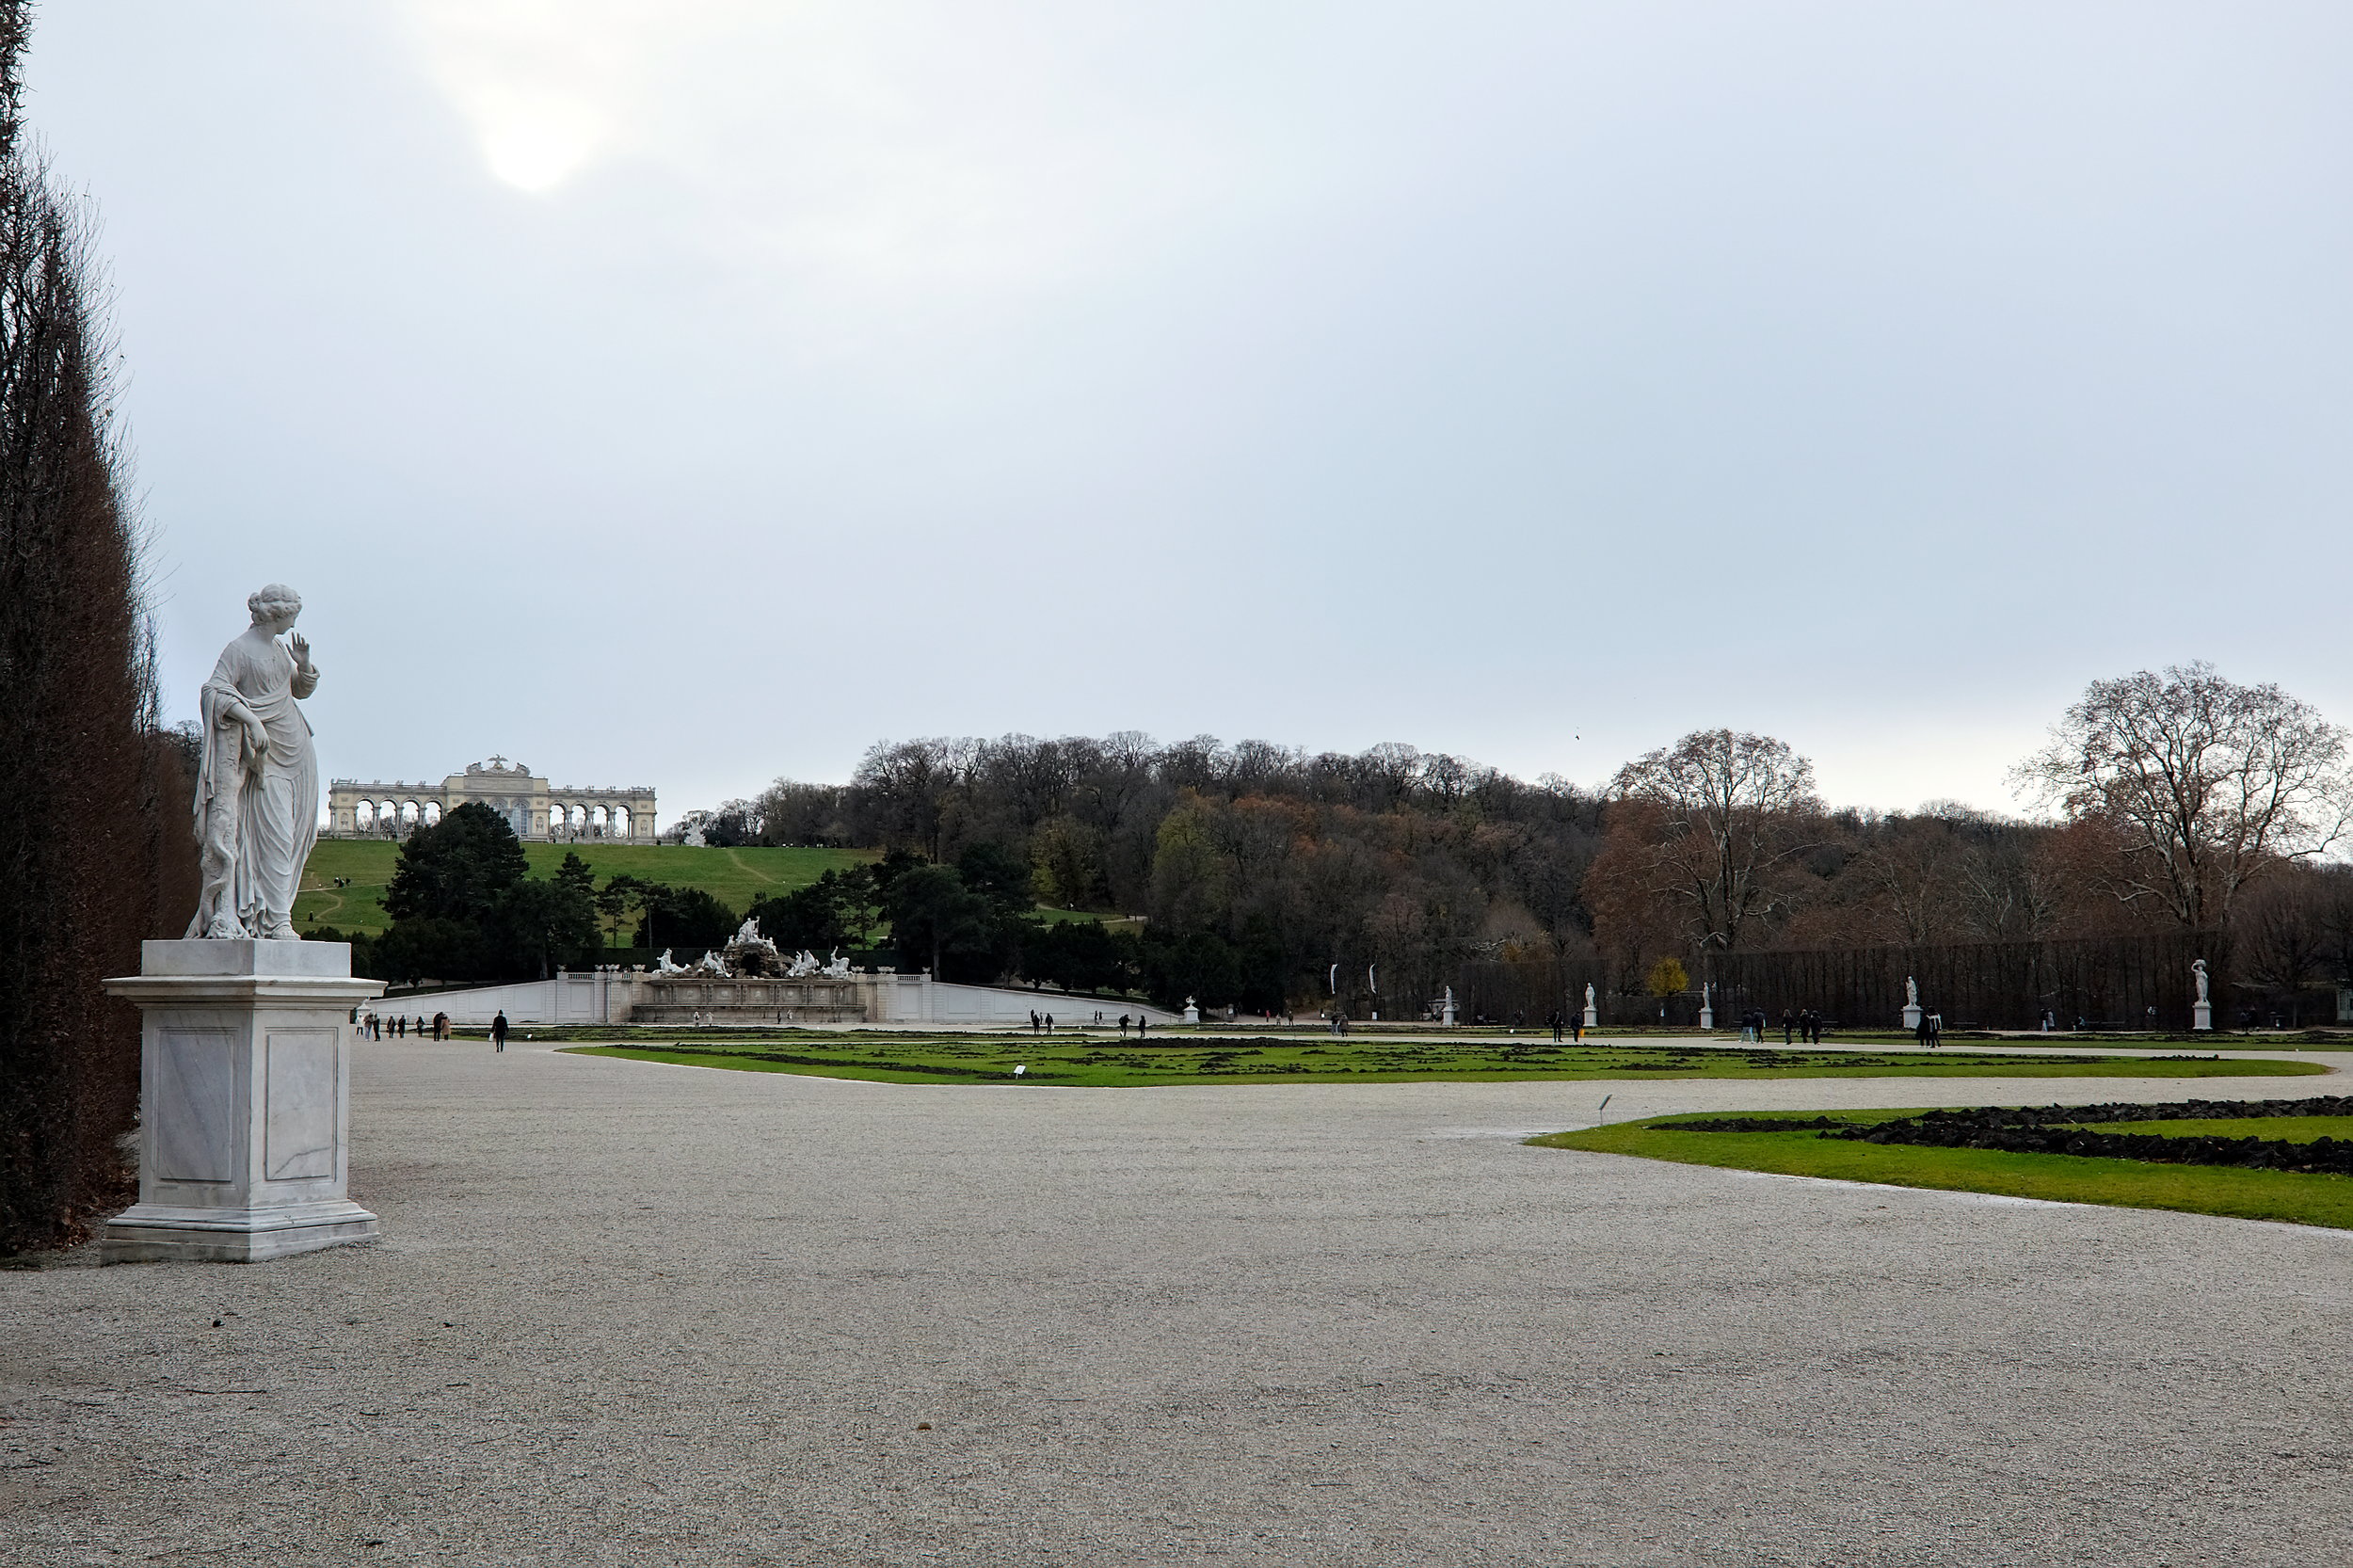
point(1447, 1016)
point(1593, 1009)
point(663, 965)
point(2202, 1011)
point(257, 784)
point(1707, 1011)
point(1912, 1003)
point(1193, 1012)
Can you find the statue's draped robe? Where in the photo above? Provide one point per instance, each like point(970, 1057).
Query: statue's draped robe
point(271, 804)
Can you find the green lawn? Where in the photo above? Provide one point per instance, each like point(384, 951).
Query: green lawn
point(2297, 1196)
point(1183, 1056)
point(734, 876)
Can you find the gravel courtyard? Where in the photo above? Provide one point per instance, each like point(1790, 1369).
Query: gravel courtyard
point(628, 1313)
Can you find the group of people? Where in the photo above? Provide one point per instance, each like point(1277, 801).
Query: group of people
point(1570, 1024)
point(375, 1026)
point(1804, 1024)
point(1043, 1023)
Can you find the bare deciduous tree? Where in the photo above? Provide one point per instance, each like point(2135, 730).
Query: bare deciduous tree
point(1727, 813)
point(2203, 784)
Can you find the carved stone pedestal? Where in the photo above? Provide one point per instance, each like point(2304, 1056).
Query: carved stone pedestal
point(1911, 1018)
point(2202, 1015)
point(244, 1101)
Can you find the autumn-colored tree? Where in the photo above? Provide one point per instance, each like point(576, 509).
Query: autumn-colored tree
point(1718, 823)
point(2200, 785)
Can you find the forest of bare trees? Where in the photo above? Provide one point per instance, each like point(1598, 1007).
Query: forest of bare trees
point(2179, 803)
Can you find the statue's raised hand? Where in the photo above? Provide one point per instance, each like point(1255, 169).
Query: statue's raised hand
point(301, 650)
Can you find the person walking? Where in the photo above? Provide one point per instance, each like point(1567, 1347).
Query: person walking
point(1921, 1033)
point(441, 1026)
point(1033, 1020)
point(498, 1030)
point(1788, 1029)
point(1936, 1030)
point(1122, 1026)
point(1049, 1023)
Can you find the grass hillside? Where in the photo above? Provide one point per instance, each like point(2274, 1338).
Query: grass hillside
point(734, 876)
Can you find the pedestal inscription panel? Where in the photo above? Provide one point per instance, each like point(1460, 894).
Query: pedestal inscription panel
point(298, 1139)
point(195, 1071)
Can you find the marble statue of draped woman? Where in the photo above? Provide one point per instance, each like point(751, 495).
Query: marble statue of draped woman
point(257, 791)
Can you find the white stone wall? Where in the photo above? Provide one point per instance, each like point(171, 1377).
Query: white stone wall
point(568, 999)
point(603, 996)
point(993, 1004)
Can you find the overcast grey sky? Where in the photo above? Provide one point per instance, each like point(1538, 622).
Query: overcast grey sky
point(690, 393)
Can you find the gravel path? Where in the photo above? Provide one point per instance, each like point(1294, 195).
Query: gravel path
point(638, 1313)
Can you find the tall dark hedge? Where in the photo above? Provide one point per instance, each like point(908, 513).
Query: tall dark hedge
point(95, 844)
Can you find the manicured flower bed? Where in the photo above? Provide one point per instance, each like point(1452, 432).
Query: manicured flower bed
point(2064, 1129)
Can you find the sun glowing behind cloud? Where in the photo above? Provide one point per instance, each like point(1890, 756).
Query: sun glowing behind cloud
point(545, 84)
point(879, 147)
point(532, 147)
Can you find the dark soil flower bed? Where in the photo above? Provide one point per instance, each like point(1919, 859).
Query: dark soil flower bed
point(2061, 1130)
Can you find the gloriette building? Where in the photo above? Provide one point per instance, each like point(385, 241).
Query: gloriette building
point(533, 807)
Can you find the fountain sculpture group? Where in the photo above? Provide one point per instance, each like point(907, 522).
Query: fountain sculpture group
point(750, 980)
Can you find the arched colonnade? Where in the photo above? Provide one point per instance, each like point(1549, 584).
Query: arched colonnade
point(390, 816)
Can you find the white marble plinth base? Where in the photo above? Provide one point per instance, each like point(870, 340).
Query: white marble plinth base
point(1707, 1017)
point(244, 1101)
point(1592, 1017)
point(154, 1232)
point(1911, 1018)
point(2202, 1016)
